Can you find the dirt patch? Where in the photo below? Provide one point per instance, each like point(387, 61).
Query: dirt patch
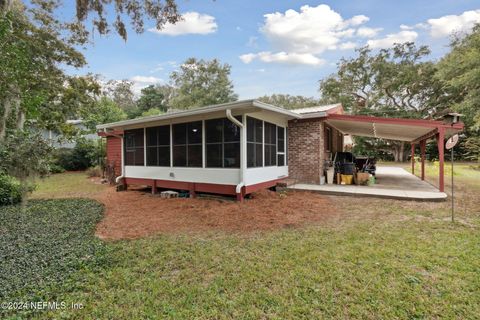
point(134, 213)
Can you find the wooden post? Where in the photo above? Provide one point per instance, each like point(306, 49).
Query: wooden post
point(423, 145)
point(441, 158)
point(154, 187)
point(413, 158)
point(192, 192)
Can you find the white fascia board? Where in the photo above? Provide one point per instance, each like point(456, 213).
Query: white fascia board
point(320, 114)
point(203, 110)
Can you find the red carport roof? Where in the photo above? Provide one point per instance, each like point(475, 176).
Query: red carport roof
point(410, 130)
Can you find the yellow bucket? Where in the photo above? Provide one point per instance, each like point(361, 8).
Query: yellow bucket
point(347, 179)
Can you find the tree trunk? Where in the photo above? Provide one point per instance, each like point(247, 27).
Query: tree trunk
point(399, 151)
point(20, 116)
point(11, 106)
point(5, 6)
point(7, 109)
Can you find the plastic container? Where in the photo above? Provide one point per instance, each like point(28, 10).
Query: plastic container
point(347, 179)
point(347, 168)
point(322, 180)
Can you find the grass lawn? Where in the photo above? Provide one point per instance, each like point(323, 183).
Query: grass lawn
point(383, 259)
point(67, 185)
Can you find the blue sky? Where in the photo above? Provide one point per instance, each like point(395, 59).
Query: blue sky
point(276, 46)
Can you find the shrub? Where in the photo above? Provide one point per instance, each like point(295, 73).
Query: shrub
point(55, 168)
point(85, 154)
point(94, 171)
point(10, 190)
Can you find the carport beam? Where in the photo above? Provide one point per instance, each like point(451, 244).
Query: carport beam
point(440, 145)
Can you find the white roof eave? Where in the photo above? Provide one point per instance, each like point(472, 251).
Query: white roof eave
point(203, 110)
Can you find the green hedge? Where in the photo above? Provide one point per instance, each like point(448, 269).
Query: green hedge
point(85, 154)
point(10, 190)
point(43, 245)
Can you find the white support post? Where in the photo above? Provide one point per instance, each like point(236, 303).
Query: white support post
point(243, 147)
point(263, 143)
point(144, 147)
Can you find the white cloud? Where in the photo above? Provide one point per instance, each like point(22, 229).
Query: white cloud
point(390, 39)
point(248, 57)
point(446, 25)
point(192, 23)
point(300, 37)
point(347, 45)
point(312, 30)
point(140, 82)
point(405, 27)
point(366, 32)
point(283, 57)
point(358, 20)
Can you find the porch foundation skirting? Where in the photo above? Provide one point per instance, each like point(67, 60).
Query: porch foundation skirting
point(194, 187)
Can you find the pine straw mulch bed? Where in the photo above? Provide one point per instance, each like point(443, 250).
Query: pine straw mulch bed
point(137, 213)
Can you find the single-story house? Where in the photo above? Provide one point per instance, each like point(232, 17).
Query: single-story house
point(239, 147)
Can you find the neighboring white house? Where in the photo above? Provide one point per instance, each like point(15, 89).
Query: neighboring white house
point(57, 141)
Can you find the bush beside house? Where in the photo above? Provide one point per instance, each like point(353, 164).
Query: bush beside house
point(10, 190)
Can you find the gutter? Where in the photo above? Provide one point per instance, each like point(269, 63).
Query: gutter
point(243, 164)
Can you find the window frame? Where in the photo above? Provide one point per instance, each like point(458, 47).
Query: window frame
point(222, 143)
point(328, 139)
point(136, 149)
point(158, 146)
point(284, 152)
point(187, 145)
point(272, 127)
point(255, 143)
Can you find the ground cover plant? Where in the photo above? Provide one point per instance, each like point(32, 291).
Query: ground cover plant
point(44, 244)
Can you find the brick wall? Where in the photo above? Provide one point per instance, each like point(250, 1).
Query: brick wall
point(114, 154)
point(306, 150)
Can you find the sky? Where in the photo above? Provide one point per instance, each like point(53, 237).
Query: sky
point(275, 46)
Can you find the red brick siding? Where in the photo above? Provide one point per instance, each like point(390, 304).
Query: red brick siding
point(114, 154)
point(306, 149)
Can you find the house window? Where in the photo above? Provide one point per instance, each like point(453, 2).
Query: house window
point(280, 146)
point(328, 139)
point(158, 146)
point(254, 142)
point(187, 144)
point(270, 144)
point(134, 148)
point(222, 143)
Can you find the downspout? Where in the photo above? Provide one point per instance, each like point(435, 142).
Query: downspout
point(243, 167)
point(121, 176)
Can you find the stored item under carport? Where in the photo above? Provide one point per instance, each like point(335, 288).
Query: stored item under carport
point(362, 178)
point(347, 179)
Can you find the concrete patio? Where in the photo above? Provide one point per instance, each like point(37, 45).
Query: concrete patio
point(391, 182)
